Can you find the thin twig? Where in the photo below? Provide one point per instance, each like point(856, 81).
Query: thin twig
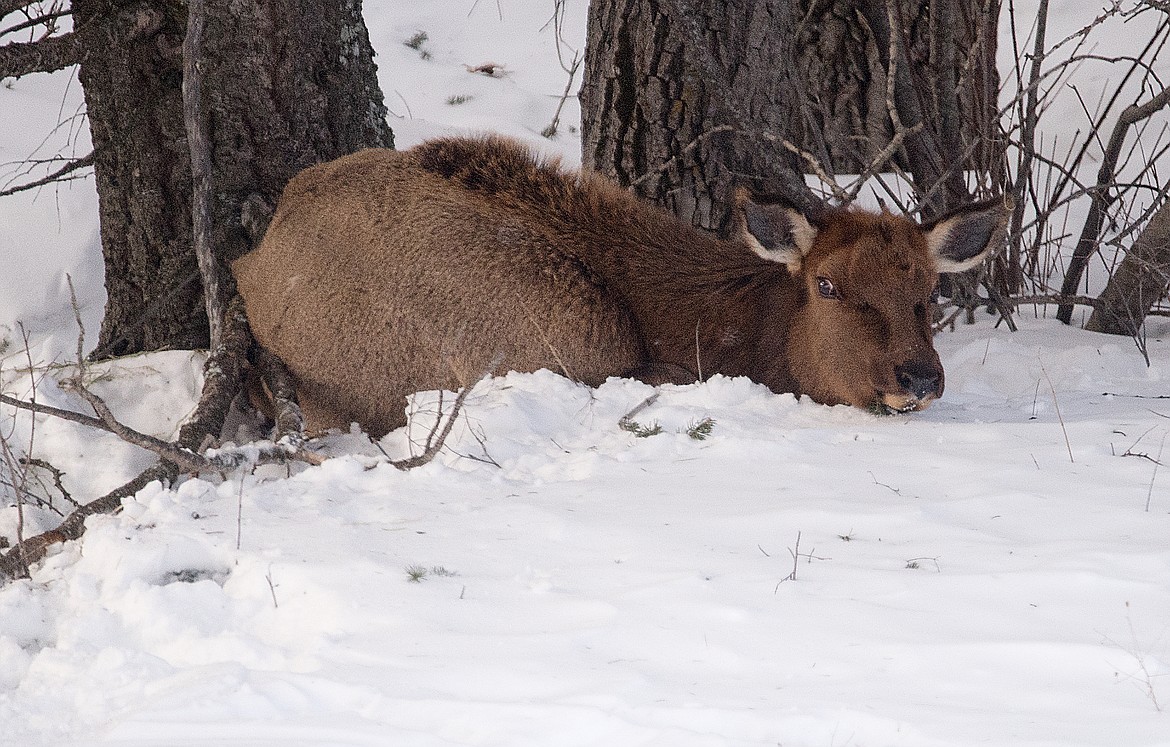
point(1157, 463)
point(436, 446)
point(240, 514)
point(555, 124)
point(271, 587)
point(72, 166)
point(57, 474)
point(698, 357)
point(32, 430)
point(1056, 404)
point(669, 163)
point(629, 416)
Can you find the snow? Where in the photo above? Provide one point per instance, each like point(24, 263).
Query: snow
point(994, 570)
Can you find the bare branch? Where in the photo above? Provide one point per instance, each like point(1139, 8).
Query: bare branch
point(48, 20)
point(222, 382)
point(558, 21)
point(11, 6)
point(1091, 232)
point(815, 164)
point(880, 159)
point(75, 417)
point(44, 56)
point(57, 175)
point(57, 474)
point(184, 460)
point(32, 550)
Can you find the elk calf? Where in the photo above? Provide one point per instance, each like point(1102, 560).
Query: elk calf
point(384, 273)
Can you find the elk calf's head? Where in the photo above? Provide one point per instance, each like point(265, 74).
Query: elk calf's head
point(389, 272)
point(860, 332)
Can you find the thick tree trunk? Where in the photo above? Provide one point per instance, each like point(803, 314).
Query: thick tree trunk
point(132, 75)
point(682, 98)
point(1141, 280)
point(286, 85)
point(682, 102)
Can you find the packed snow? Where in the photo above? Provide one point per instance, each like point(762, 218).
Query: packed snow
point(994, 570)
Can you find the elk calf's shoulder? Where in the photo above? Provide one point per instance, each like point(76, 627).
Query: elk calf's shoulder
point(388, 272)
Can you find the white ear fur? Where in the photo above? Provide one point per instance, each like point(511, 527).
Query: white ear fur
point(776, 233)
point(962, 241)
point(937, 240)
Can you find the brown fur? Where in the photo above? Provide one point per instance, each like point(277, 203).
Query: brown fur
point(385, 273)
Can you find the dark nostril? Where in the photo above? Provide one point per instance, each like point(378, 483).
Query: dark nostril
point(917, 380)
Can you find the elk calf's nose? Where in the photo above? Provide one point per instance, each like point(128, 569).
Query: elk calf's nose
point(918, 379)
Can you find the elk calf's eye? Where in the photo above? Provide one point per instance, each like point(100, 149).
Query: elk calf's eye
point(826, 288)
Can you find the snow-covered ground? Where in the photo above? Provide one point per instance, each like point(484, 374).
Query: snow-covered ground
point(994, 570)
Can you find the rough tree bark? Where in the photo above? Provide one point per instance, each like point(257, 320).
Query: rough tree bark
point(1141, 280)
point(286, 85)
point(274, 87)
point(683, 98)
point(696, 89)
point(132, 73)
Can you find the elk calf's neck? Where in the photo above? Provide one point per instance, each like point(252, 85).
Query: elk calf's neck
point(388, 272)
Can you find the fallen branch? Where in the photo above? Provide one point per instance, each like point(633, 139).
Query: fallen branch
point(14, 563)
point(1053, 299)
point(625, 421)
point(222, 376)
point(186, 461)
point(56, 412)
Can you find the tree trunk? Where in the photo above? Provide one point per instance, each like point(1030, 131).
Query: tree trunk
point(683, 98)
point(131, 72)
point(679, 102)
point(286, 85)
point(1141, 280)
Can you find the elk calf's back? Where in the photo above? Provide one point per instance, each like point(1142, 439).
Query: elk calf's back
point(388, 272)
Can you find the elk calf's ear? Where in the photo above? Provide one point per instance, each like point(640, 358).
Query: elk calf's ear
point(776, 232)
point(966, 237)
